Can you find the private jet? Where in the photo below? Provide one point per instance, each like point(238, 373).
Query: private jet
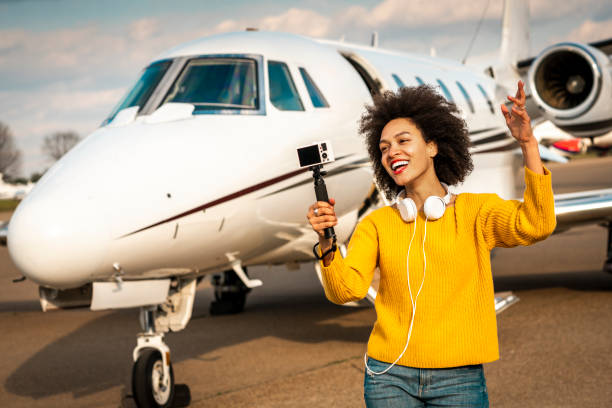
point(195, 174)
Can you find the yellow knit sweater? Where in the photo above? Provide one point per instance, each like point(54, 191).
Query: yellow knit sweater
point(455, 314)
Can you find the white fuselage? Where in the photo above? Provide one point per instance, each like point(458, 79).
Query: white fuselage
point(172, 194)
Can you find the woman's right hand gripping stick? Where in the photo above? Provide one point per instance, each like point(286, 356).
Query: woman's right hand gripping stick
point(321, 215)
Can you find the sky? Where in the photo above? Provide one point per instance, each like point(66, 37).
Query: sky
point(64, 64)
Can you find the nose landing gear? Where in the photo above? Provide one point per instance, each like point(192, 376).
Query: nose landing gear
point(152, 375)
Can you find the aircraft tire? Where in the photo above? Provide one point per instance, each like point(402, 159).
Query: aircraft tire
point(229, 301)
point(147, 388)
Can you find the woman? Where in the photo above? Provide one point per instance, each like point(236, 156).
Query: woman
point(436, 322)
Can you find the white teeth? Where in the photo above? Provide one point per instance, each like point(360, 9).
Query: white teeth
point(399, 164)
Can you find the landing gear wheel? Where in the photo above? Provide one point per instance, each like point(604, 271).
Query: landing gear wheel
point(230, 294)
point(149, 387)
point(228, 303)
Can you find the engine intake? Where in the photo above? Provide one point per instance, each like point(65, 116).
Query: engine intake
point(564, 80)
point(570, 83)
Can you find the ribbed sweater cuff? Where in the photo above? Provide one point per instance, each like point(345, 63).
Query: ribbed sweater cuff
point(539, 192)
point(531, 175)
point(539, 186)
point(335, 288)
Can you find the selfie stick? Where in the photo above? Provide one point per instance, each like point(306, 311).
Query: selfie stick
point(321, 194)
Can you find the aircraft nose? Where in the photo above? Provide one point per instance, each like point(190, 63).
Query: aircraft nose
point(58, 243)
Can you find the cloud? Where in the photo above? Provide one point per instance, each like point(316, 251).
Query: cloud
point(58, 49)
point(424, 12)
point(33, 57)
point(387, 14)
point(540, 9)
point(34, 114)
point(10, 39)
point(591, 31)
point(36, 108)
point(143, 29)
point(226, 25)
point(298, 21)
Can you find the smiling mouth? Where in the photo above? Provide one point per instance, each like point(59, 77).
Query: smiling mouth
point(399, 166)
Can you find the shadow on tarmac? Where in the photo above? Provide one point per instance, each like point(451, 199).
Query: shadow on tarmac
point(97, 356)
point(583, 281)
point(20, 306)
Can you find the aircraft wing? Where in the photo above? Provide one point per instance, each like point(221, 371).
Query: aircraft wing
point(587, 207)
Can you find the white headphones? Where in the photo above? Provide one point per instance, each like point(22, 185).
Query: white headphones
point(434, 206)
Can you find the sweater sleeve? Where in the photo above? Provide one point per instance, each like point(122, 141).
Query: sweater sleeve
point(508, 223)
point(348, 279)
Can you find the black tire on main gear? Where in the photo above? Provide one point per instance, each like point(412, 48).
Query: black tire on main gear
point(230, 301)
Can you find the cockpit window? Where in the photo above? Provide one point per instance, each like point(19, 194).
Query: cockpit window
point(213, 84)
point(316, 96)
point(138, 95)
point(283, 94)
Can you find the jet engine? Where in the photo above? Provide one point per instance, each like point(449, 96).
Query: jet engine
point(571, 84)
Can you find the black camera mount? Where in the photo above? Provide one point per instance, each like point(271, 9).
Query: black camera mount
point(321, 195)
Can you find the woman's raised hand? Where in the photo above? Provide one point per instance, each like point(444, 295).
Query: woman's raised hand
point(321, 215)
point(517, 119)
point(520, 126)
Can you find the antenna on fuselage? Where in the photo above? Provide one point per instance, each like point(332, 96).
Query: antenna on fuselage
point(374, 40)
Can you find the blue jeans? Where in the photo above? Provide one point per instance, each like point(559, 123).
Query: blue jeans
point(409, 387)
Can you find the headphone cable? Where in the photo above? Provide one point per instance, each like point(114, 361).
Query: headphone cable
point(413, 302)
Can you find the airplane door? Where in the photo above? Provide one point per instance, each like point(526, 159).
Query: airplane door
point(366, 72)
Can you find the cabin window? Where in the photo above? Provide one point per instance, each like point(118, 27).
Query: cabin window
point(466, 96)
point(142, 90)
point(217, 84)
point(419, 80)
point(283, 94)
point(398, 81)
point(316, 96)
point(446, 92)
point(486, 96)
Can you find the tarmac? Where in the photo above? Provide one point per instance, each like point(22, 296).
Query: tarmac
point(293, 348)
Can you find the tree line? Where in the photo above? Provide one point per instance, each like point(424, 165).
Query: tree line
point(54, 146)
